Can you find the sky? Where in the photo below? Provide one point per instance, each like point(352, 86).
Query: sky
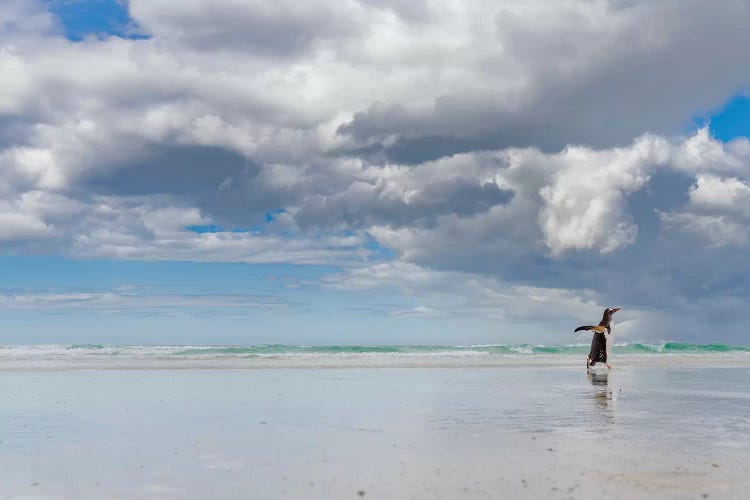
point(373, 171)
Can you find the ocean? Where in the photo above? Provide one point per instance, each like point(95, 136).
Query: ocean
point(343, 356)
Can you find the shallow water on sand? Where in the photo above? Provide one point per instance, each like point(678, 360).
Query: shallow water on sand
point(678, 432)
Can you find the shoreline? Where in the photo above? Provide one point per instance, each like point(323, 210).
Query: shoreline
point(371, 361)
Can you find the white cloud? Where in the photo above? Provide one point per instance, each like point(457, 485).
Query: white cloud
point(458, 293)
point(127, 300)
point(718, 230)
point(718, 211)
point(418, 311)
point(585, 203)
point(525, 313)
point(461, 207)
point(701, 152)
point(726, 194)
point(21, 227)
point(166, 240)
point(456, 70)
point(573, 200)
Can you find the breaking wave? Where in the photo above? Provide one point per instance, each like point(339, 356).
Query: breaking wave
point(277, 350)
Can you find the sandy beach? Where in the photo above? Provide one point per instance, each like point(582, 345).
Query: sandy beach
point(512, 432)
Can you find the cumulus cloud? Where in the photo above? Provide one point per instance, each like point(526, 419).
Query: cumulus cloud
point(718, 230)
point(129, 230)
point(577, 199)
point(515, 142)
point(405, 196)
point(20, 227)
point(718, 210)
point(548, 74)
point(724, 194)
point(280, 29)
point(717, 206)
point(584, 205)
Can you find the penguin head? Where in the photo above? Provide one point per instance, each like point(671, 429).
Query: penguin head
point(608, 312)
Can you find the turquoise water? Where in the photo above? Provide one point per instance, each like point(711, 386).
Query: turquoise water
point(94, 356)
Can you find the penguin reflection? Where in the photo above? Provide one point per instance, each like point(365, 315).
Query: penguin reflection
point(602, 394)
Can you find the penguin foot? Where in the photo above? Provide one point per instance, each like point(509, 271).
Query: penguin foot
point(609, 366)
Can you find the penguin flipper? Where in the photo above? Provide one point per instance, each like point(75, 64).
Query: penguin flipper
point(597, 328)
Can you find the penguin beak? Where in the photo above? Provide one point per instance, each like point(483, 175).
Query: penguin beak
point(615, 309)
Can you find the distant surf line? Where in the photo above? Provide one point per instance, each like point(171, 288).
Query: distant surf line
point(262, 350)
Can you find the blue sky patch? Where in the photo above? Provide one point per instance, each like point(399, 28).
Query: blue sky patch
point(270, 216)
point(733, 120)
point(80, 18)
point(730, 121)
point(206, 228)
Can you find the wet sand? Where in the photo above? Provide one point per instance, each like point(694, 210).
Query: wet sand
point(552, 432)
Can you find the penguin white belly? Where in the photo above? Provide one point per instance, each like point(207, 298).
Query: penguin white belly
point(610, 339)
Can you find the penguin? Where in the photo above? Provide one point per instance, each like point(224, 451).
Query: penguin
point(601, 343)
